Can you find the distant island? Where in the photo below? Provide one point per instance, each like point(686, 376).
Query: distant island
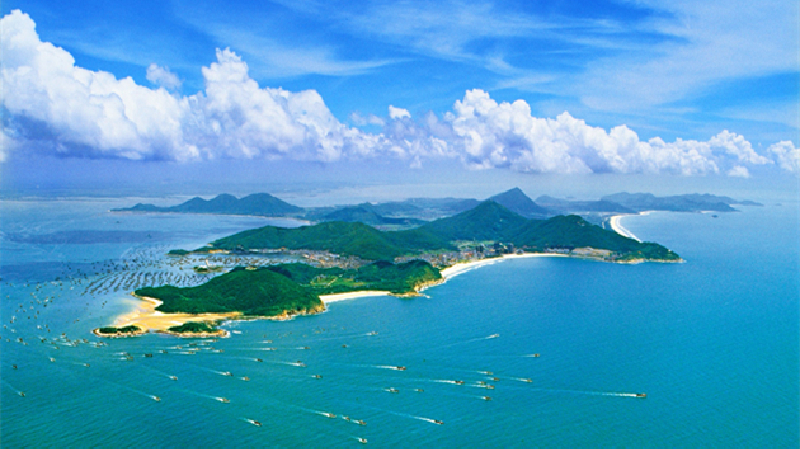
point(414, 212)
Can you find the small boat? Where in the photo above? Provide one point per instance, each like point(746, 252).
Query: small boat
point(419, 390)
point(227, 373)
point(399, 368)
point(259, 360)
point(254, 422)
point(328, 415)
point(86, 365)
point(537, 355)
point(489, 387)
point(317, 376)
point(486, 398)
point(458, 382)
point(362, 440)
point(148, 354)
point(173, 377)
point(52, 359)
point(437, 421)
point(360, 422)
point(299, 363)
point(155, 398)
point(21, 393)
point(223, 400)
point(493, 336)
point(246, 379)
point(527, 379)
point(393, 390)
point(641, 395)
point(344, 346)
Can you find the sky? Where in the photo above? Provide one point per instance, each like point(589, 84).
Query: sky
point(99, 92)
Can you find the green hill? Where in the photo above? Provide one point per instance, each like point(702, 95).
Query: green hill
point(343, 238)
point(487, 221)
point(516, 201)
point(259, 292)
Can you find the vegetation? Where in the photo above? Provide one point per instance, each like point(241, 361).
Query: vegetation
point(487, 221)
point(260, 292)
point(516, 201)
point(178, 252)
point(193, 327)
point(121, 330)
point(343, 238)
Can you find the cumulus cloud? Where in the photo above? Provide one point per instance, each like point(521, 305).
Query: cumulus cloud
point(395, 113)
point(161, 76)
point(55, 106)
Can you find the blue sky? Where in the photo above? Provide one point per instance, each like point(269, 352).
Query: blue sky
point(558, 87)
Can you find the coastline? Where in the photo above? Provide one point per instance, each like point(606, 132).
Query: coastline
point(616, 225)
point(151, 320)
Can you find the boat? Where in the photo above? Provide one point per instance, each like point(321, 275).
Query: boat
point(486, 398)
point(393, 390)
point(21, 393)
point(148, 354)
point(246, 379)
point(458, 382)
point(641, 395)
point(437, 421)
point(317, 376)
point(537, 355)
point(399, 368)
point(259, 360)
point(52, 359)
point(299, 363)
point(360, 422)
point(254, 422)
point(494, 336)
point(328, 415)
point(419, 390)
point(227, 373)
point(173, 377)
point(223, 400)
point(155, 398)
point(86, 365)
point(362, 440)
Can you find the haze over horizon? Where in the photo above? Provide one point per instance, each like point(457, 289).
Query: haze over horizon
point(494, 92)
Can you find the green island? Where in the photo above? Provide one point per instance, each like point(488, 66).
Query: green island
point(343, 257)
point(119, 332)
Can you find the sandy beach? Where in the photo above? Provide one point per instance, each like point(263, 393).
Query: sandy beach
point(616, 225)
point(147, 317)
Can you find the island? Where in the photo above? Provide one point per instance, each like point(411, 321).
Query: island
point(349, 258)
point(130, 330)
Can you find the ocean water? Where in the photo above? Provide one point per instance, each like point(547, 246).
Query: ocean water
point(714, 343)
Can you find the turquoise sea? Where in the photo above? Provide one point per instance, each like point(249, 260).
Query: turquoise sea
point(714, 343)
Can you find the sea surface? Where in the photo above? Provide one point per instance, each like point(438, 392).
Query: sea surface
point(713, 342)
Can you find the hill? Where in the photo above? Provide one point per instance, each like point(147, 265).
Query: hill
point(680, 203)
point(343, 238)
point(487, 221)
point(260, 204)
point(366, 213)
point(259, 292)
point(516, 201)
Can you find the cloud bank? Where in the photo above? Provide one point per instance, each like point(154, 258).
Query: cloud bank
point(53, 106)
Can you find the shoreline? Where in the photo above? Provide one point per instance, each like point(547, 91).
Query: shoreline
point(151, 320)
point(616, 226)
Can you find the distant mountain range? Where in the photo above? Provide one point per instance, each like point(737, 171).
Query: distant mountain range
point(417, 211)
point(262, 204)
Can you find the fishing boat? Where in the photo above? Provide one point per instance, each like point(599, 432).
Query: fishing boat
point(641, 395)
point(223, 400)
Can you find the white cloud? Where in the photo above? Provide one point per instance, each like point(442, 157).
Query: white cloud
point(56, 106)
point(396, 113)
point(161, 76)
point(739, 171)
point(786, 156)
